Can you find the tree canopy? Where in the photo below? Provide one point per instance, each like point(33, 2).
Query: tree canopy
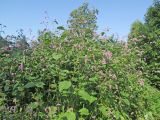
point(82, 21)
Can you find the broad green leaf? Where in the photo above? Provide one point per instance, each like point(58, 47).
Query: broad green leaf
point(103, 110)
point(33, 105)
point(117, 114)
point(15, 86)
point(124, 94)
point(29, 85)
point(52, 111)
point(20, 88)
point(84, 111)
point(84, 95)
point(53, 86)
point(56, 56)
point(70, 116)
point(149, 116)
point(126, 101)
point(92, 99)
point(38, 96)
point(94, 79)
point(39, 84)
point(1, 74)
point(61, 116)
point(6, 87)
point(30, 77)
point(64, 85)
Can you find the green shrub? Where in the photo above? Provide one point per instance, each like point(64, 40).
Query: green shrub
point(74, 79)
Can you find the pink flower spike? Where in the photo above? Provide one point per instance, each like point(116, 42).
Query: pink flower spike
point(21, 67)
point(107, 54)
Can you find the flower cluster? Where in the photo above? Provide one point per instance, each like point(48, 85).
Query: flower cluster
point(107, 55)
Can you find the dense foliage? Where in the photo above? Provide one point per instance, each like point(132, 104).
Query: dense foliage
point(70, 76)
point(147, 38)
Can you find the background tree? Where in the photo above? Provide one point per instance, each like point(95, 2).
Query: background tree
point(152, 21)
point(82, 21)
point(3, 42)
point(137, 29)
point(152, 17)
point(147, 38)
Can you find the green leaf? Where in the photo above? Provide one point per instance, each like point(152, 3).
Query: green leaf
point(124, 94)
point(30, 77)
point(53, 86)
point(149, 116)
point(103, 110)
point(84, 111)
point(92, 99)
point(70, 116)
point(84, 95)
point(33, 105)
point(6, 87)
point(64, 85)
point(15, 86)
point(20, 88)
point(117, 114)
point(29, 85)
point(126, 101)
point(56, 56)
point(39, 84)
point(94, 79)
point(52, 111)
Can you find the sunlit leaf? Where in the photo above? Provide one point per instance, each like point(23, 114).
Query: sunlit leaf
point(39, 84)
point(84, 95)
point(64, 85)
point(84, 111)
point(33, 105)
point(103, 110)
point(70, 116)
point(56, 56)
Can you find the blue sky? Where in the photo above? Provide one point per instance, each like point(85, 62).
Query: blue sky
point(118, 15)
